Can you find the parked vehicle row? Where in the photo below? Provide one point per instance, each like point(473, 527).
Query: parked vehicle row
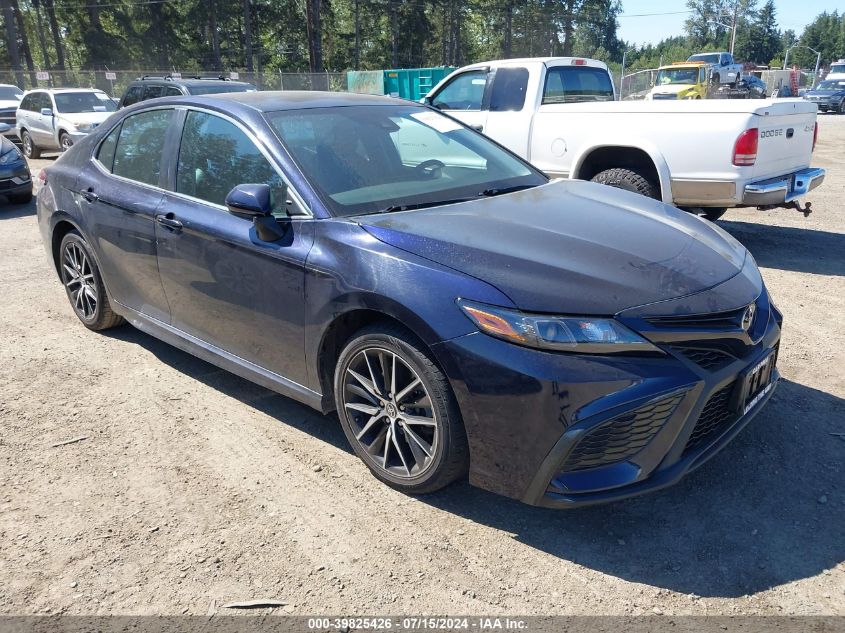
point(561, 342)
point(828, 96)
point(704, 156)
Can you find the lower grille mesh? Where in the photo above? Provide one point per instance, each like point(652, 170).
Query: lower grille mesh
point(621, 437)
point(715, 416)
point(709, 359)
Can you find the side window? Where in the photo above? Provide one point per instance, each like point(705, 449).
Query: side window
point(45, 102)
point(105, 155)
point(172, 92)
point(215, 156)
point(133, 95)
point(137, 155)
point(509, 88)
point(26, 103)
point(464, 92)
point(702, 75)
point(153, 91)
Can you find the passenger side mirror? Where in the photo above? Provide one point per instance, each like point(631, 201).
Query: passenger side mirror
point(249, 201)
point(46, 112)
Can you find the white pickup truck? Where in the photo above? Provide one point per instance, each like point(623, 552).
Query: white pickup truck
point(702, 155)
point(723, 67)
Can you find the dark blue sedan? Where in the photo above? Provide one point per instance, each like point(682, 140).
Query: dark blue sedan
point(561, 342)
point(15, 179)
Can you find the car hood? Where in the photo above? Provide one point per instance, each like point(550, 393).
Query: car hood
point(569, 247)
point(85, 117)
point(6, 104)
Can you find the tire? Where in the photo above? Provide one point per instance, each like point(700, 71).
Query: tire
point(88, 299)
point(711, 213)
point(65, 141)
point(21, 198)
point(841, 109)
point(29, 148)
point(439, 455)
point(628, 180)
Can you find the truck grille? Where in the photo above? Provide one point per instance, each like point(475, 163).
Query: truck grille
point(622, 436)
point(664, 95)
point(7, 115)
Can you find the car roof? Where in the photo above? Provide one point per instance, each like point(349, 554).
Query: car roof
point(61, 90)
point(273, 100)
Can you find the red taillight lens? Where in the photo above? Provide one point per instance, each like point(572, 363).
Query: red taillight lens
point(745, 148)
point(579, 62)
point(815, 135)
point(42, 176)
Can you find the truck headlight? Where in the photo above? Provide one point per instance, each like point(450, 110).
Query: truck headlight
point(587, 335)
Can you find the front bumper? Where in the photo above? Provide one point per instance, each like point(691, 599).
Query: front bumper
point(541, 425)
point(15, 179)
point(782, 189)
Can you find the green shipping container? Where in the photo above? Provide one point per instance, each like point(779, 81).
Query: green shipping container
point(413, 83)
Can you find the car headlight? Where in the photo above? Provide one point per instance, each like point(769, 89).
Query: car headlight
point(11, 156)
point(588, 335)
point(83, 126)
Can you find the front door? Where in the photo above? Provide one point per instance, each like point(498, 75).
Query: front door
point(224, 285)
point(119, 192)
point(463, 98)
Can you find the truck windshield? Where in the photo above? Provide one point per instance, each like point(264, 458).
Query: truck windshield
point(367, 159)
point(833, 84)
point(78, 102)
point(837, 69)
point(708, 58)
point(677, 76)
point(10, 93)
point(571, 84)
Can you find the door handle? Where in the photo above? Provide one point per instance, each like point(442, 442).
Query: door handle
point(169, 221)
point(90, 196)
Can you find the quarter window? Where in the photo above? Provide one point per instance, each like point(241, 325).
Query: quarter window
point(151, 92)
point(509, 88)
point(139, 147)
point(464, 92)
point(172, 92)
point(106, 152)
point(215, 156)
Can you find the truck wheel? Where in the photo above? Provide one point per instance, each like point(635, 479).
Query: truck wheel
point(628, 180)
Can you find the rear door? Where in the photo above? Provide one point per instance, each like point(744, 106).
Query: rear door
point(119, 193)
point(41, 126)
point(224, 285)
point(463, 97)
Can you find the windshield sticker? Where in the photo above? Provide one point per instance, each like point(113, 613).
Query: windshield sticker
point(438, 123)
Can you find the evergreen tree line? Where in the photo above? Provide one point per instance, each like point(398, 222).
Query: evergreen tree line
point(337, 35)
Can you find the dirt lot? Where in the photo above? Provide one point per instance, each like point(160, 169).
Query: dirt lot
point(194, 487)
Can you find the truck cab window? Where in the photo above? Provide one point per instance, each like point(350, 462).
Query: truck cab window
point(464, 92)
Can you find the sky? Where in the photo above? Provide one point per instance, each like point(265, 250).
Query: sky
point(639, 29)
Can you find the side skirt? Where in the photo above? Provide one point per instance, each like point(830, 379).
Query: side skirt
point(221, 358)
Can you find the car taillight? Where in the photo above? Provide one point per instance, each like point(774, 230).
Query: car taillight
point(42, 176)
point(815, 134)
point(745, 148)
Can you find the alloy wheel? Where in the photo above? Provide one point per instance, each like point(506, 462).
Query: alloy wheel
point(67, 143)
point(27, 145)
point(78, 278)
point(390, 413)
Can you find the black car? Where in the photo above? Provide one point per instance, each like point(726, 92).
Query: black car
point(559, 342)
point(15, 179)
point(151, 87)
point(756, 87)
point(829, 96)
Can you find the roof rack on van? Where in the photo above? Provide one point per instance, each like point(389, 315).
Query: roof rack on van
point(171, 78)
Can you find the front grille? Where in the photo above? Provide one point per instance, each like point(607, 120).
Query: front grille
point(730, 319)
point(8, 116)
point(664, 95)
point(622, 436)
point(709, 359)
point(715, 417)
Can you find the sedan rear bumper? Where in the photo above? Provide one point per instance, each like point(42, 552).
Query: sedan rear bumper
point(782, 189)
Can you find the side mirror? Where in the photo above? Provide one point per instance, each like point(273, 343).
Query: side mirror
point(249, 201)
point(725, 62)
point(46, 112)
point(5, 127)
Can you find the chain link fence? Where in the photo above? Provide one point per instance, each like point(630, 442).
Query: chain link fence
point(115, 82)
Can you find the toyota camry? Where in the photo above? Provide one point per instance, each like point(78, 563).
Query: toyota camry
point(558, 342)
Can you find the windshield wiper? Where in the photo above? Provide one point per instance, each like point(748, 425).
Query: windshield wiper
point(418, 205)
point(501, 190)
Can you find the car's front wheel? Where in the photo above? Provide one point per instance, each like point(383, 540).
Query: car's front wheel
point(29, 148)
point(398, 411)
point(65, 141)
point(84, 285)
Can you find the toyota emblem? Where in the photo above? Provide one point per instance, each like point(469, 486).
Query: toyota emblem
point(748, 316)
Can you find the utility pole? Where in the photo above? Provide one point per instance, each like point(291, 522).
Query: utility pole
point(733, 26)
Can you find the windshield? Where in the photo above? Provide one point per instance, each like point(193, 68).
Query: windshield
point(833, 84)
point(78, 102)
point(677, 76)
point(364, 159)
point(219, 88)
point(712, 58)
point(837, 68)
point(10, 93)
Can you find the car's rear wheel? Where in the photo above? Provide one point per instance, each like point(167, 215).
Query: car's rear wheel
point(29, 148)
point(627, 179)
point(84, 285)
point(65, 141)
point(398, 411)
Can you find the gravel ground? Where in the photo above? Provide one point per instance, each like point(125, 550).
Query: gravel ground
point(194, 487)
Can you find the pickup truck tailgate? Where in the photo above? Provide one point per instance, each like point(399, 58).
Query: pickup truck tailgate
point(786, 137)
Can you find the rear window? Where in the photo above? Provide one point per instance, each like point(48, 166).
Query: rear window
point(219, 88)
point(574, 84)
